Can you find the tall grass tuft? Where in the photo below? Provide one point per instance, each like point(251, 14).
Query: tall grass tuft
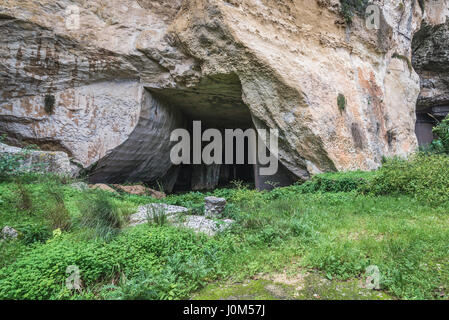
point(56, 211)
point(24, 200)
point(156, 215)
point(100, 214)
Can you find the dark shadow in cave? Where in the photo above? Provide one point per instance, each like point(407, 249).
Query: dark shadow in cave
point(217, 103)
point(145, 155)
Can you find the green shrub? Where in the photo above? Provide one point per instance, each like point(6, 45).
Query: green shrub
point(10, 164)
point(424, 177)
point(341, 102)
point(327, 182)
point(338, 182)
point(180, 261)
point(34, 232)
point(9, 251)
point(49, 103)
point(442, 132)
point(140, 287)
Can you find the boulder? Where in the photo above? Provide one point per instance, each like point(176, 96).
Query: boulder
point(42, 161)
point(141, 191)
point(214, 207)
point(204, 225)
point(177, 216)
point(102, 186)
point(145, 212)
point(9, 233)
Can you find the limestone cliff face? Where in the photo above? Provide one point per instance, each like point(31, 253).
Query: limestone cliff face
point(135, 69)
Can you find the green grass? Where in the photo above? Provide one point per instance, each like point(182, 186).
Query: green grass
point(335, 225)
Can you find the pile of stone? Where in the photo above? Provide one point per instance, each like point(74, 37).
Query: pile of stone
point(210, 224)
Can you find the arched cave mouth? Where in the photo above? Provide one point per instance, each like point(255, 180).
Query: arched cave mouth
point(145, 157)
point(217, 103)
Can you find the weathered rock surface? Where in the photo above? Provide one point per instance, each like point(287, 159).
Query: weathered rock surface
point(102, 186)
point(199, 224)
point(140, 191)
point(436, 11)
point(202, 224)
point(135, 69)
point(431, 61)
point(214, 207)
point(42, 161)
point(145, 212)
point(9, 233)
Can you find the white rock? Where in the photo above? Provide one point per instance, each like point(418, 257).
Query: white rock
point(9, 233)
point(199, 224)
point(144, 212)
point(202, 224)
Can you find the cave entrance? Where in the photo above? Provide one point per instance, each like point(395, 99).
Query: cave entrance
point(217, 103)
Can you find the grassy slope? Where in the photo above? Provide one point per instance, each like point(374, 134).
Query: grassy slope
point(336, 234)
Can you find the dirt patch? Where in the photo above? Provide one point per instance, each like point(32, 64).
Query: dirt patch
point(291, 286)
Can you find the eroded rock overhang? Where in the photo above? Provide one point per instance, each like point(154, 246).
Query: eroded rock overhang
point(136, 69)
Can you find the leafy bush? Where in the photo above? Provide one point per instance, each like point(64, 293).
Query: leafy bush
point(34, 232)
point(424, 177)
point(9, 251)
point(175, 261)
point(341, 102)
point(10, 164)
point(328, 182)
point(338, 182)
point(140, 287)
point(442, 132)
point(179, 276)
